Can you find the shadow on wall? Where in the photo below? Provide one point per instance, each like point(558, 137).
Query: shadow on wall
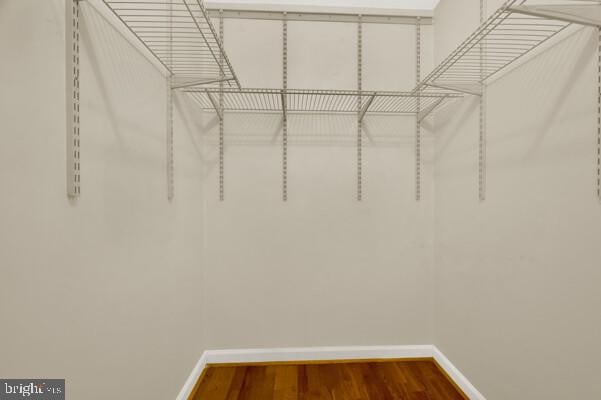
point(107, 63)
point(113, 67)
point(571, 57)
point(533, 91)
point(197, 124)
point(309, 129)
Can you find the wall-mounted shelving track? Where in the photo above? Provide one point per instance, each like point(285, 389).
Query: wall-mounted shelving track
point(514, 30)
point(72, 96)
point(181, 36)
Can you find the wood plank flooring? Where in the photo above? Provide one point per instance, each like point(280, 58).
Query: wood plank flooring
point(372, 380)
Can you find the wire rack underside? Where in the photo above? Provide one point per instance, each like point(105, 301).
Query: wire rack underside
point(179, 33)
point(502, 39)
point(318, 101)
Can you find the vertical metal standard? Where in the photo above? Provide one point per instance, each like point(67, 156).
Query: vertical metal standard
point(482, 119)
point(72, 99)
point(284, 106)
point(221, 138)
point(170, 160)
point(599, 117)
point(359, 101)
point(418, 125)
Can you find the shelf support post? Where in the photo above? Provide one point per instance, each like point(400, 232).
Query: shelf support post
point(418, 126)
point(169, 91)
point(170, 160)
point(599, 115)
point(72, 97)
point(221, 111)
point(359, 103)
point(482, 116)
point(285, 107)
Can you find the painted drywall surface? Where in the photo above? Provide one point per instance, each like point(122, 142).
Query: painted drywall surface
point(103, 291)
point(321, 269)
point(518, 277)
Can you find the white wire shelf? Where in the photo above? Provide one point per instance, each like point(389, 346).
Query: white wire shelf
point(318, 101)
point(179, 33)
point(514, 30)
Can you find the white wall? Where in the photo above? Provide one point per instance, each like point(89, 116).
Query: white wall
point(321, 269)
point(105, 291)
point(518, 277)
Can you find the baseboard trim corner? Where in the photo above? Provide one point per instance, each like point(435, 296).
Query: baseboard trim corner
point(195, 375)
point(456, 376)
point(328, 353)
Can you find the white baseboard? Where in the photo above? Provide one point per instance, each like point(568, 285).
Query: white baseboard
point(316, 354)
point(193, 378)
point(456, 375)
point(328, 353)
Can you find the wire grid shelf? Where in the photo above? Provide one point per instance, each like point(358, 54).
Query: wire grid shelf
point(503, 38)
point(317, 101)
point(179, 33)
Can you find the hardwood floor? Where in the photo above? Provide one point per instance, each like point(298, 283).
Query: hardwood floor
point(372, 380)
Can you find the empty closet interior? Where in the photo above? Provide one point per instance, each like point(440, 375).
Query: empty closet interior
point(195, 184)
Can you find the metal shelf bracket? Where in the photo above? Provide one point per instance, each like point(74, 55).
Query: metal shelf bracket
point(427, 111)
point(471, 89)
point(366, 107)
point(215, 104)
